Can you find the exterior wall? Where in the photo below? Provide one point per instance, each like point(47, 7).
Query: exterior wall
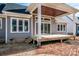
point(68, 22)
point(55, 31)
point(58, 20)
point(18, 37)
point(2, 31)
point(53, 25)
point(69, 25)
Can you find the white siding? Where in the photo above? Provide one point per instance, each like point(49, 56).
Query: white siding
point(66, 20)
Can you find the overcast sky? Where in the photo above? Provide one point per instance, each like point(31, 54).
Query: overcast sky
point(75, 5)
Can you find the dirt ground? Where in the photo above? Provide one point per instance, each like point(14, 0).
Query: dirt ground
point(52, 49)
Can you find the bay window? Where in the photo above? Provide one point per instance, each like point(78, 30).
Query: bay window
point(19, 25)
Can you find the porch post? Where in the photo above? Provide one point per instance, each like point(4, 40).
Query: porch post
point(74, 25)
point(39, 22)
point(6, 30)
point(32, 26)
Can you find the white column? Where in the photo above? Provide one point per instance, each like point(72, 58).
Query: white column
point(74, 25)
point(6, 30)
point(39, 20)
point(51, 27)
point(32, 26)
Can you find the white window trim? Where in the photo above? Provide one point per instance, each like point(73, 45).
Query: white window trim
point(28, 25)
point(1, 23)
point(61, 24)
point(17, 19)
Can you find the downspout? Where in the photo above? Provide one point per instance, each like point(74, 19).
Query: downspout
point(6, 29)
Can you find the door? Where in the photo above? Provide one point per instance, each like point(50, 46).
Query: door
point(77, 29)
point(45, 28)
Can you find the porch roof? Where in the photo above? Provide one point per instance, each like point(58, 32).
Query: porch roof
point(53, 9)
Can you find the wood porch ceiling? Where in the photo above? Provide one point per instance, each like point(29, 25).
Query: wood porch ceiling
point(50, 11)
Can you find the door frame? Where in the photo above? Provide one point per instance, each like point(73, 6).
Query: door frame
point(43, 22)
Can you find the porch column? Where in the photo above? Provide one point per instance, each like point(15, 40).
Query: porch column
point(39, 21)
point(74, 25)
point(32, 26)
point(6, 30)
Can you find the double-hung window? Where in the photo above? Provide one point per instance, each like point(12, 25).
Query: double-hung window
point(26, 25)
point(19, 25)
point(14, 25)
point(0, 23)
point(61, 27)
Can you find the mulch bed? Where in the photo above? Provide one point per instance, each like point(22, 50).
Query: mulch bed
point(58, 49)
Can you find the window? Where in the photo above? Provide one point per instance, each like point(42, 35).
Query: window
point(0, 23)
point(45, 28)
point(19, 25)
point(26, 25)
point(42, 27)
point(78, 18)
point(48, 28)
point(14, 25)
point(61, 27)
point(45, 25)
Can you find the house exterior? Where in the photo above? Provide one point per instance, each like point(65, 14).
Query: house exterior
point(14, 16)
point(17, 24)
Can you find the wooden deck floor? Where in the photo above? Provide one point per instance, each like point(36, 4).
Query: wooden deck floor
point(55, 37)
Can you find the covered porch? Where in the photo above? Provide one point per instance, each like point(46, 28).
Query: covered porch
point(43, 19)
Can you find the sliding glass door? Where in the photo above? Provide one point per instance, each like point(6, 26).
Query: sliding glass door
point(45, 28)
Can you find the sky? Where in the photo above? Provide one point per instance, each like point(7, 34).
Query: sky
point(75, 5)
